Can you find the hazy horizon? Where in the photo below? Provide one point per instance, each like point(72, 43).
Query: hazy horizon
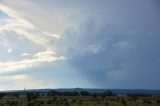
point(84, 44)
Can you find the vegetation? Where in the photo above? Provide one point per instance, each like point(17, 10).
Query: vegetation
point(82, 98)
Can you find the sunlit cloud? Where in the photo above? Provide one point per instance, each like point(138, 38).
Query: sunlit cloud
point(46, 56)
point(23, 80)
point(26, 30)
point(9, 50)
point(25, 54)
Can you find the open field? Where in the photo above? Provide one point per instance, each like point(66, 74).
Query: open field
point(80, 101)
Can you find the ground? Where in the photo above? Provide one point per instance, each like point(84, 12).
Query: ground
point(80, 101)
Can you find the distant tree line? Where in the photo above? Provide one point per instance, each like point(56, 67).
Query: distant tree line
point(81, 93)
point(56, 93)
point(33, 95)
point(139, 95)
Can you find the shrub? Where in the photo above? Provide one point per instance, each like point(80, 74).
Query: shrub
point(66, 103)
point(123, 102)
point(158, 101)
point(106, 104)
point(73, 101)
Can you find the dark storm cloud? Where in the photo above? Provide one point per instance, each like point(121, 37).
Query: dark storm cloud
point(123, 52)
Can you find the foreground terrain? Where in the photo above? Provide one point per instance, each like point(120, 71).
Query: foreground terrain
point(80, 101)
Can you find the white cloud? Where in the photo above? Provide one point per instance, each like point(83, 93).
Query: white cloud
point(27, 30)
point(9, 50)
point(122, 45)
point(14, 77)
point(25, 54)
point(93, 49)
point(40, 57)
point(49, 20)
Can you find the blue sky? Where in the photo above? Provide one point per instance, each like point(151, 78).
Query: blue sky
point(86, 43)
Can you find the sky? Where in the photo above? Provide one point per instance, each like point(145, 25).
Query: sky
point(83, 43)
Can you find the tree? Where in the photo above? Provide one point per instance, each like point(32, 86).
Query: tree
point(85, 93)
point(31, 96)
point(123, 102)
point(108, 93)
point(2, 95)
point(53, 93)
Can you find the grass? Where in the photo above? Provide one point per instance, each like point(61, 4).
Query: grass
point(80, 101)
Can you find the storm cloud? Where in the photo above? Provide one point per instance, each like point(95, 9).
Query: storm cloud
point(106, 44)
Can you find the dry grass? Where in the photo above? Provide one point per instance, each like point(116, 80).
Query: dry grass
point(80, 101)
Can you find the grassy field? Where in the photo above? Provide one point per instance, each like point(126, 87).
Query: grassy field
point(80, 101)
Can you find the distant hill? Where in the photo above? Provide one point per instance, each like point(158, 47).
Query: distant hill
point(115, 91)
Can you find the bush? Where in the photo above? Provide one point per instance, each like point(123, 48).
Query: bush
point(66, 103)
point(149, 102)
point(158, 101)
point(106, 104)
point(49, 102)
point(30, 104)
point(123, 102)
point(73, 101)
